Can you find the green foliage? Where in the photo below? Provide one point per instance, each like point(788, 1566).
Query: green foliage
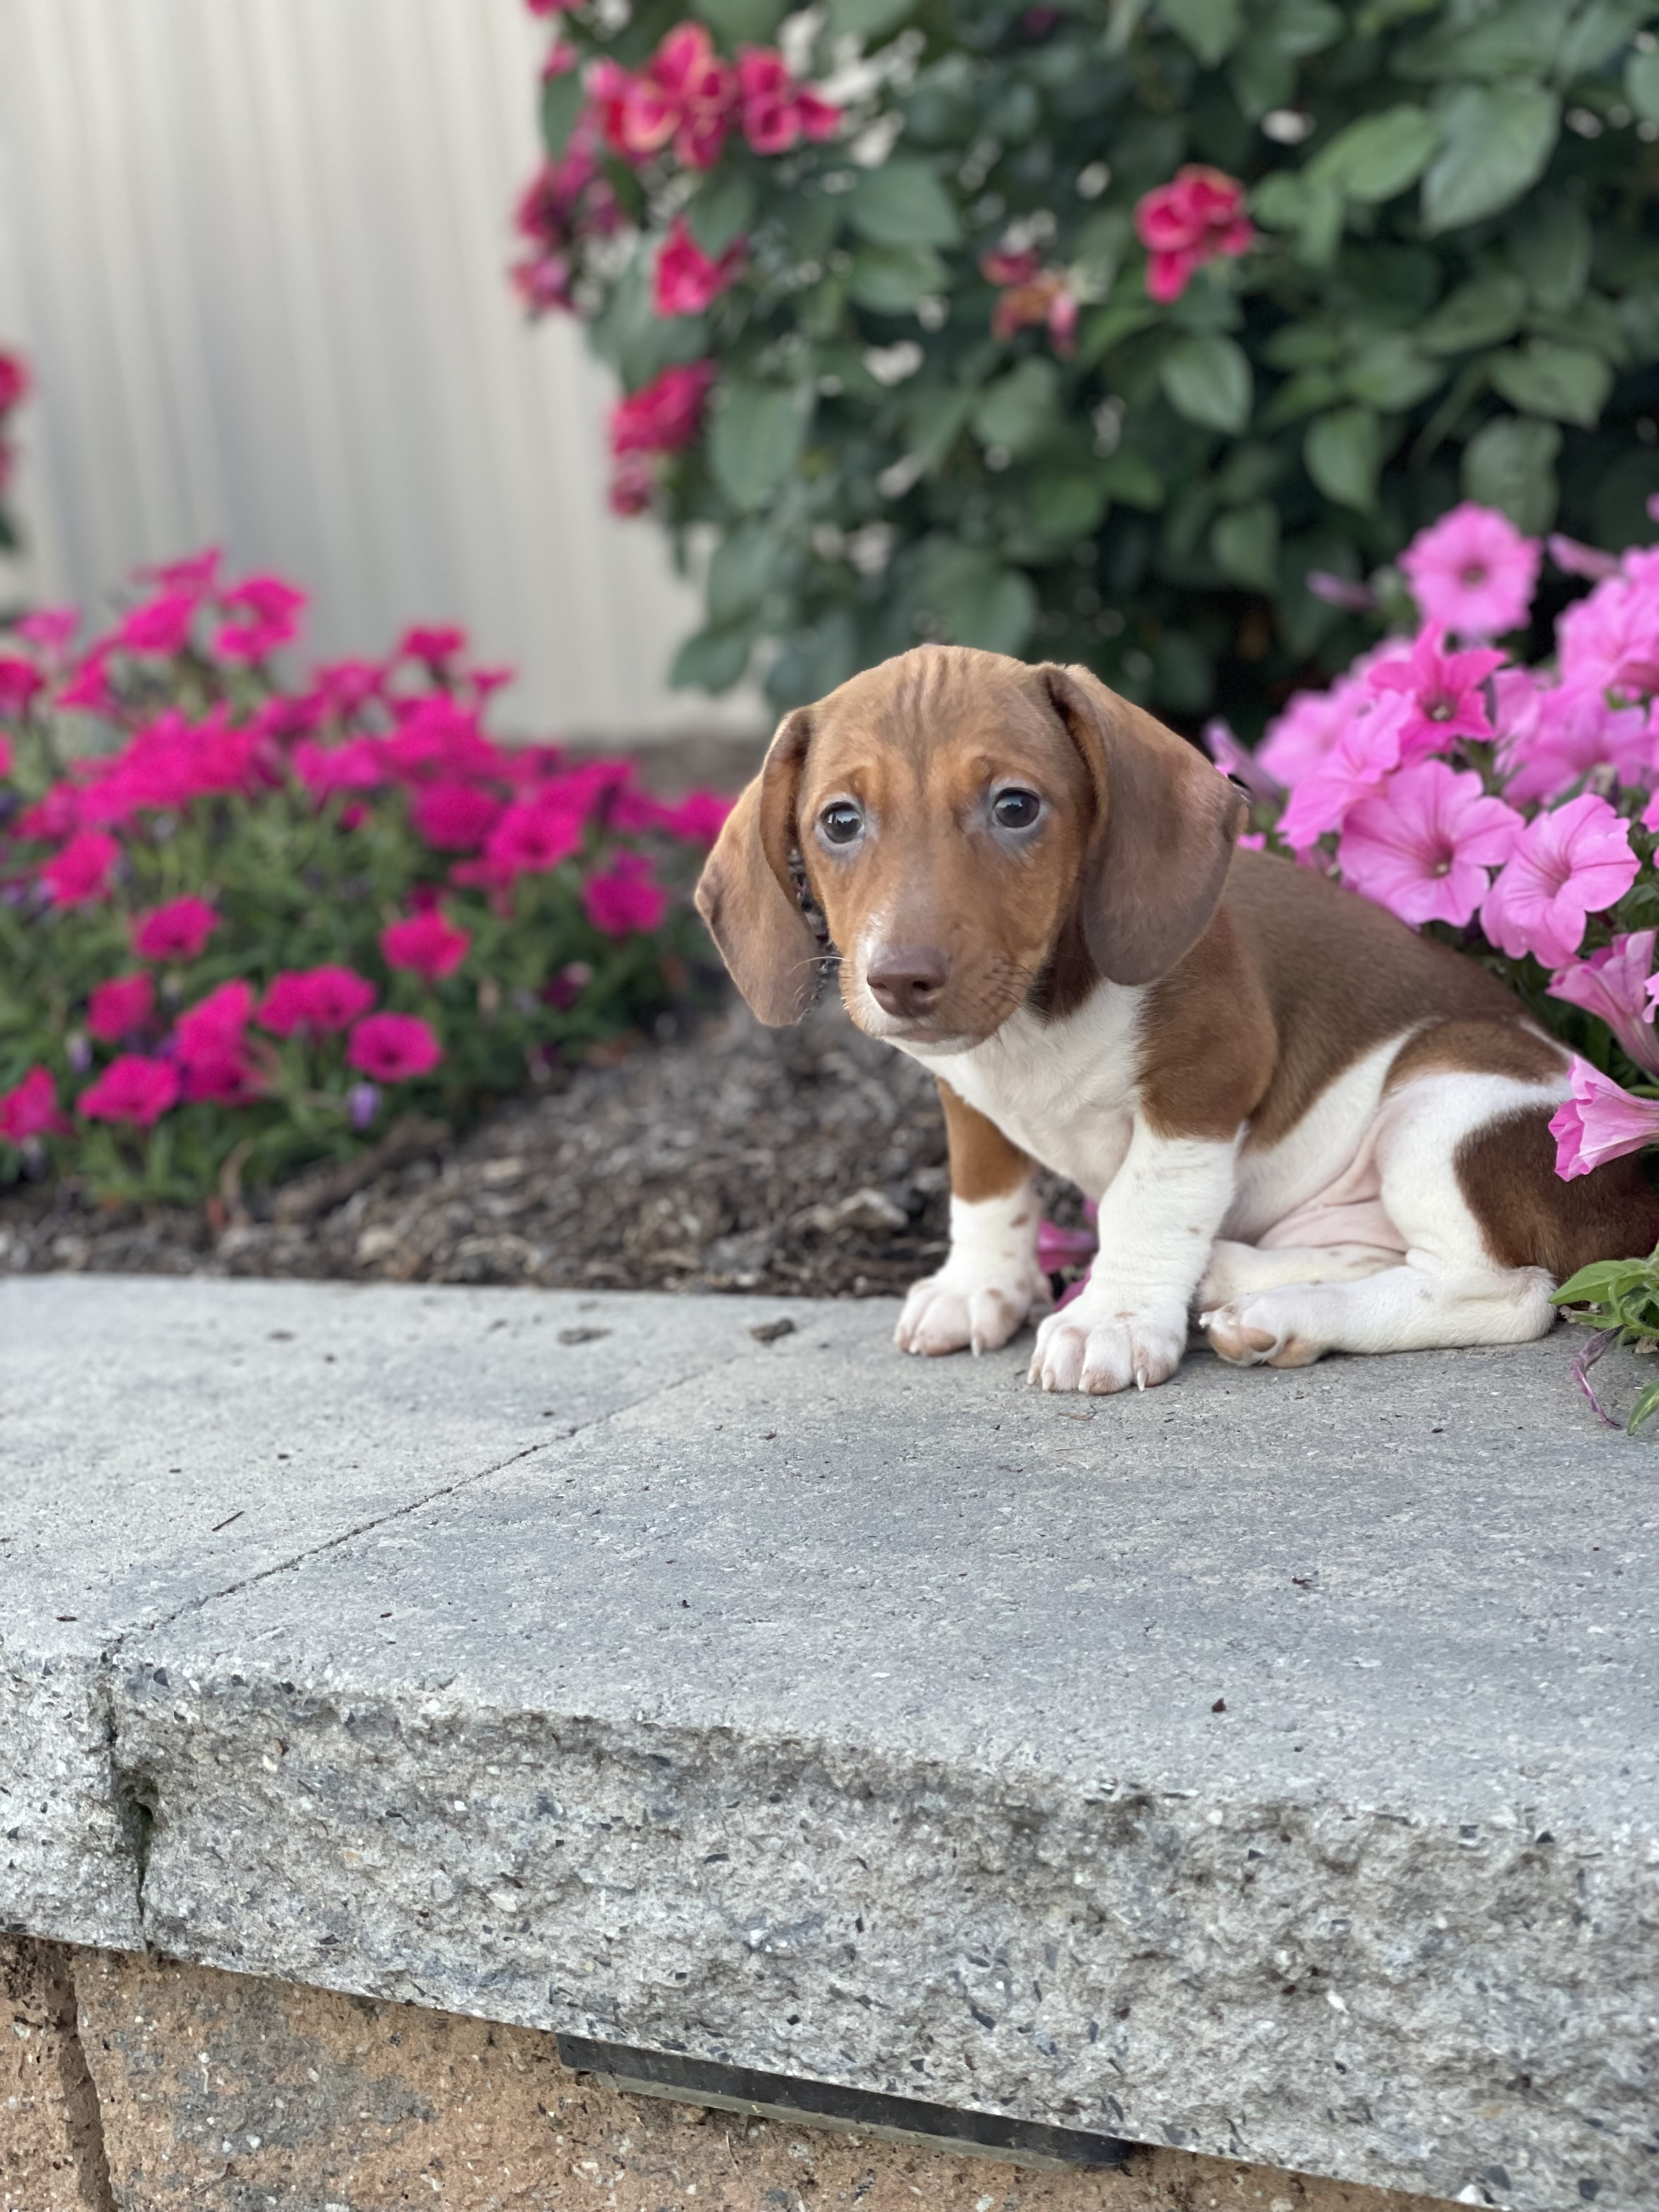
point(1619, 1297)
point(1454, 293)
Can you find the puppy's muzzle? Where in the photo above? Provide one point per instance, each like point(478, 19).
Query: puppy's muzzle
point(906, 981)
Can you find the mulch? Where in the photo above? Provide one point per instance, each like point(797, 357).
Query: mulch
point(803, 1161)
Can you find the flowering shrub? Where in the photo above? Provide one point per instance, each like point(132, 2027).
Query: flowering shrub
point(260, 918)
point(1098, 330)
point(14, 390)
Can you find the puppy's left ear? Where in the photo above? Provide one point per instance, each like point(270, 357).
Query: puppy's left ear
point(1165, 822)
point(745, 893)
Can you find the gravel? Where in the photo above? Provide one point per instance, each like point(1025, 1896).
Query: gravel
point(804, 1161)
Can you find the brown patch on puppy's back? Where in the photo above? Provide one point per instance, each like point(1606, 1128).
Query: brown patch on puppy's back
point(1453, 1048)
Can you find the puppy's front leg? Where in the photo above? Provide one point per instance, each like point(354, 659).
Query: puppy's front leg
point(1159, 1218)
point(990, 1283)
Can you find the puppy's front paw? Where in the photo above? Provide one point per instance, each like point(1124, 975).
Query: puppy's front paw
point(1096, 1345)
point(963, 1309)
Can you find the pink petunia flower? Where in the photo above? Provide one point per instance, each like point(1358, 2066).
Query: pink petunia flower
point(1444, 690)
point(159, 626)
point(1599, 1122)
point(1566, 865)
point(80, 873)
point(125, 1003)
point(429, 945)
point(210, 1047)
point(265, 614)
point(1367, 752)
point(666, 414)
point(1231, 758)
point(30, 1108)
point(627, 897)
point(531, 838)
point(1617, 985)
point(88, 688)
point(21, 681)
point(1565, 733)
point(686, 278)
point(195, 575)
point(133, 1088)
point(1197, 215)
point(1424, 845)
point(52, 629)
point(1574, 558)
point(1609, 640)
point(177, 931)
point(435, 643)
point(393, 1048)
point(317, 999)
point(699, 816)
point(1472, 572)
point(356, 765)
point(453, 817)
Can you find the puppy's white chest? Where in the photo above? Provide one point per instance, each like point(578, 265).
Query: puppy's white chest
point(1064, 1091)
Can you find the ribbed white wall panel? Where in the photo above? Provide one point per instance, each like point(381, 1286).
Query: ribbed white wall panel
point(255, 250)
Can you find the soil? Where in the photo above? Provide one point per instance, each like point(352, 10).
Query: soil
point(803, 1161)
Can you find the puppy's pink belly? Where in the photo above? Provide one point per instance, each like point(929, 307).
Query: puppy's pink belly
point(1323, 1222)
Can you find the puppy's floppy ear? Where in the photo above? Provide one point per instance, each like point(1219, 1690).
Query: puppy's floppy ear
point(746, 897)
point(1165, 826)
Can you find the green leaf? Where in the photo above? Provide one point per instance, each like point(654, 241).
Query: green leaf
point(1599, 33)
point(1291, 200)
point(1065, 503)
point(1565, 381)
point(712, 660)
point(1208, 381)
point(1597, 1284)
point(869, 20)
point(1245, 542)
point(1641, 84)
point(1305, 27)
point(1302, 345)
point(1211, 27)
point(1307, 392)
point(1261, 75)
point(743, 23)
point(1481, 313)
point(742, 570)
point(721, 210)
point(1550, 246)
point(1019, 409)
point(979, 601)
point(1497, 139)
point(891, 279)
point(1388, 372)
point(903, 203)
point(1343, 451)
point(1130, 476)
point(1107, 327)
point(1509, 464)
point(1520, 37)
point(562, 101)
point(815, 661)
point(1647, 1402)
point(755, 442)
point(1379, 156)
point(936, 420)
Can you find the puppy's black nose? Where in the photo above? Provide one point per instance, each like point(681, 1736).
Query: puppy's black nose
point(906, 980)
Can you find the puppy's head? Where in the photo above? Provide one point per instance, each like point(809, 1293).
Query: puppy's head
point(972, 828)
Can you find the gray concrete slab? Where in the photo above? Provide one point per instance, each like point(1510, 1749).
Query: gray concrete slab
point(164, 1443)
point(1268, 1766)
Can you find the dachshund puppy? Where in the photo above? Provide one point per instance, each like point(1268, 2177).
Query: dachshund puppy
point(1304, 1124)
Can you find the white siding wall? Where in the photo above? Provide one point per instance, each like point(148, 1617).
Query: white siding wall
point(255, 250)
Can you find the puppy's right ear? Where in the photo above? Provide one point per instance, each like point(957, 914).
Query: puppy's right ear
point(746, 893)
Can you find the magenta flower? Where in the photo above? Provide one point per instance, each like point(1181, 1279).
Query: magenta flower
point(124, 1004)
point(454, 816)
point(1617, 985)
point(1299, 739)
point(435, 643)
point(686, 278)
point(777, 113)
point(20, 681)
point(81, 872)
point(531, 838)
point(666, 414)
point(1573, 558)
point(1197, 215)
point(429, 945)
point(1366, 752)
point(1234, 761)
point(265, 615)
point(177, 931)
point(627, 897)
point(1444, 691)
point(14, 381)
point(1472, 572)
point(699, 816)
point(52, 629)
point(321, 1000)
point(160, 625)
point(1423, 845)
point(210, 1047)
point(30, 1108)
point(195, 575)
point(1571, 733)
point(1599, 1122)
point(88, 687)
point(356, 765)
point(1566, 865)
point(1609, 640)
point(132, 1089)
point(393, 1048)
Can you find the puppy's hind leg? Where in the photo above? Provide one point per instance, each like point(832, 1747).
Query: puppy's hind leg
point(1237, 1269)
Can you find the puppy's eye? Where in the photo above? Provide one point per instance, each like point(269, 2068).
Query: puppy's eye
point(841, 822)
point(1015, 809)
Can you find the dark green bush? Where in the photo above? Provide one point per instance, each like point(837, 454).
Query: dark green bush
point(1454, 293)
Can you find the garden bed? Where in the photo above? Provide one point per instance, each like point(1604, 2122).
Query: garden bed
point(800, 1161)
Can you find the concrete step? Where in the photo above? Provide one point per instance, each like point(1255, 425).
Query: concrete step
point(1264, 1767)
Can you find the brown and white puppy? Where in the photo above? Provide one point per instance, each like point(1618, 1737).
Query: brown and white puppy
point(1314, 1127)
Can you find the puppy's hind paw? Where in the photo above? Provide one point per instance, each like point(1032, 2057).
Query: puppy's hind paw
point(1247, 1332)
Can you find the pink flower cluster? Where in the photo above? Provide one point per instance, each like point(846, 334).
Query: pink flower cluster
point(1514, 805)
point(358, 753)
point(14, 390)
point(662, 417)
point(567, 205)
point(1029, 295)
point(688, 100)
point(1196, 216)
